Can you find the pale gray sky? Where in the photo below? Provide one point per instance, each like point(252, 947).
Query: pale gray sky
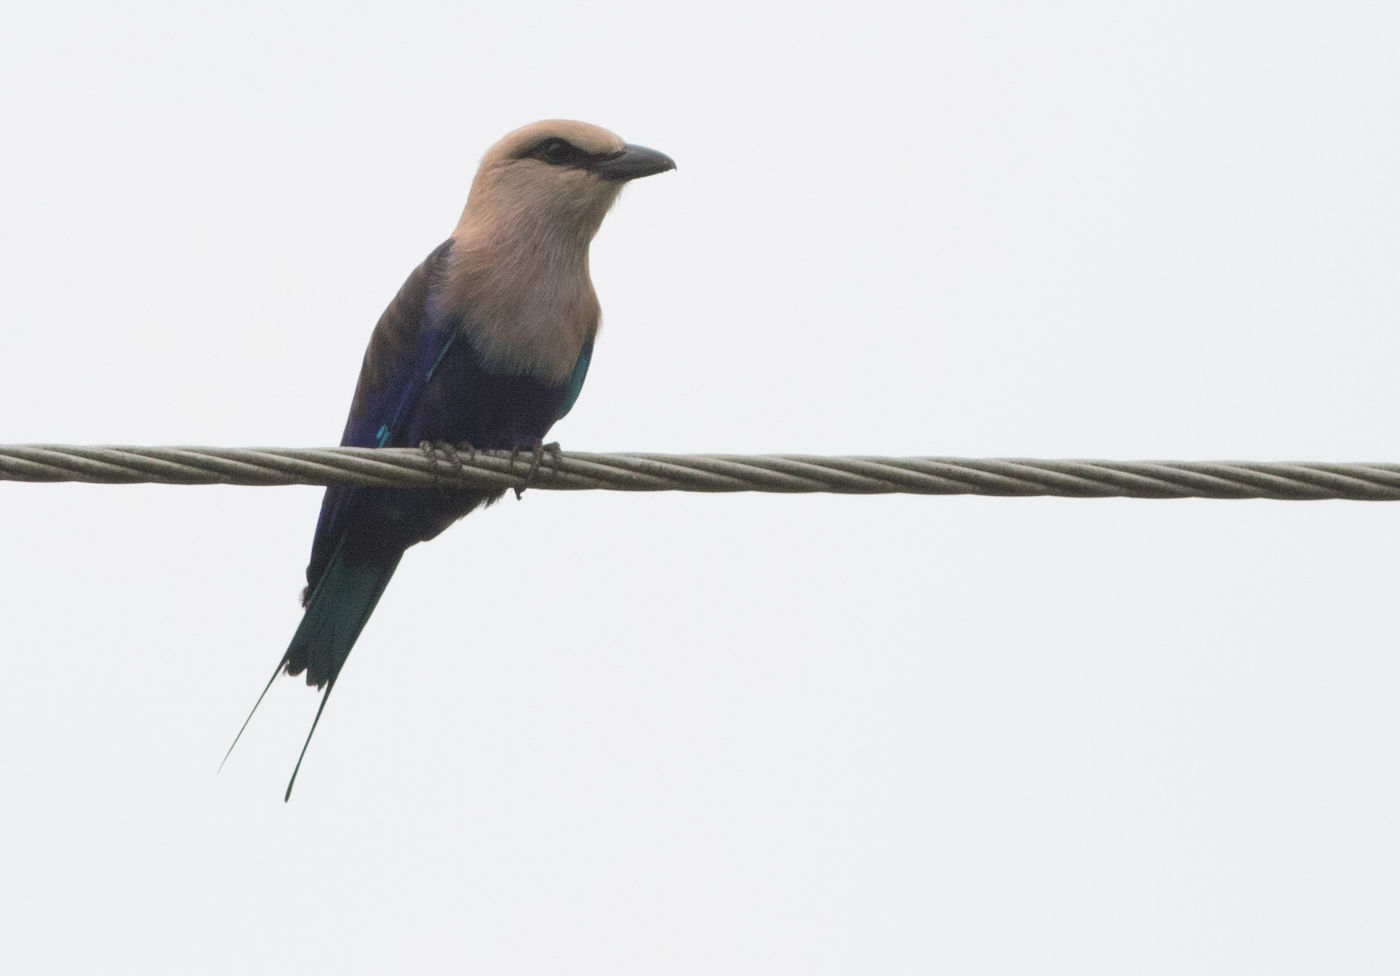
point(691, 734)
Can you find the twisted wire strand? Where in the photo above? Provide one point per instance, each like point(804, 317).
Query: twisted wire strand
point(416, 468)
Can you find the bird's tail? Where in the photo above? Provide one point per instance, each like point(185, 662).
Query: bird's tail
point(339, 606)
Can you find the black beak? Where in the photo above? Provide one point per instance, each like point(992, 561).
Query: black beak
point(632, 162)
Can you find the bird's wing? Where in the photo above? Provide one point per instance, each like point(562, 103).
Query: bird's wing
point(576, 379)
point(407, 344)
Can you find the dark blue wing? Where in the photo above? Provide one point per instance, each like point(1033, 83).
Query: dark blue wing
point(406, 346)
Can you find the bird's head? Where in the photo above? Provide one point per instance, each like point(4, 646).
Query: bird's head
point(556, 177)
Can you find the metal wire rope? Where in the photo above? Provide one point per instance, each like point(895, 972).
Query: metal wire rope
point(410, 468)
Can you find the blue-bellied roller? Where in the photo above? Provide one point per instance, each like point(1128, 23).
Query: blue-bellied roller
point(486, 344)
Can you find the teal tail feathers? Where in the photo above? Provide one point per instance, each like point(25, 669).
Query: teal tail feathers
point(338, 608)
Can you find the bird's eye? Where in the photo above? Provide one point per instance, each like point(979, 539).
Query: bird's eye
point(556, 152)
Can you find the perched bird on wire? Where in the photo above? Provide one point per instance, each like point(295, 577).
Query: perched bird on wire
point(486, 344)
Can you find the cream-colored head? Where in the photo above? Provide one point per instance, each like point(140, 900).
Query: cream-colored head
point(518, 268)
point(556, 178)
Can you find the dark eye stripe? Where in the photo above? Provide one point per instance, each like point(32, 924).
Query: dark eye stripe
point(558, 152)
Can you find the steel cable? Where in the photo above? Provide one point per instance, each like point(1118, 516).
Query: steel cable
point(446, 470)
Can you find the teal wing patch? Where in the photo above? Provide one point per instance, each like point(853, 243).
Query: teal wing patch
point(576, 379)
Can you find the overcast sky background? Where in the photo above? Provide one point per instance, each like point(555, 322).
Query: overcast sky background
point(740, 734)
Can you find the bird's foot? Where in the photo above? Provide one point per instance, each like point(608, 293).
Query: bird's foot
point(537, 454)
point(442, 450)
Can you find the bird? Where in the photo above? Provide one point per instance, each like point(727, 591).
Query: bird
point(486, 346)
